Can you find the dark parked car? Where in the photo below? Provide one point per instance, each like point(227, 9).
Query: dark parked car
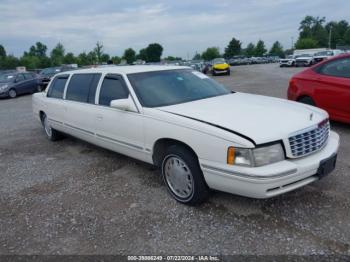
point(46, 74)
point(16, 83)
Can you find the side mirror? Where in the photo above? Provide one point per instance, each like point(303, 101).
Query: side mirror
point(126, 104)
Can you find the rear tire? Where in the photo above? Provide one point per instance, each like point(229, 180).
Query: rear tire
point(307, 100)
point(183, 176)
point(12, 93)
point(51, 134)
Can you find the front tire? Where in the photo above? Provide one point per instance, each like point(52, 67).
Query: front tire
point(183, 176)
point(51, 134)
point(12, 93)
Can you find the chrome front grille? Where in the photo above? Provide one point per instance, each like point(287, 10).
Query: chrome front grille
point(307, 142)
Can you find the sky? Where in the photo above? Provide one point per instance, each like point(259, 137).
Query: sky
point(182, 27)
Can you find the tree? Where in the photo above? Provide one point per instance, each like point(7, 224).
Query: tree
point(154, 52)
point(9, 62)
point(276, 49)
point(142, 54)
point(30, 61)
point(39, 50)
point(98, 50)
point(2, 52)
point(347, 37)
point(104, 58)
point(312, 28)
point(129, 55)
point(173, 58)
point(197, 56)
point(233, 48)
point(116, 60)
point(92, 58)
point(57, 55)
point(69, 58)
point(83, 59)
point(211, 53)
point(260, 49)
point(250, 50)
point(305, 43)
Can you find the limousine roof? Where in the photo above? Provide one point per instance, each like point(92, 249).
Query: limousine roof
point(126, 69)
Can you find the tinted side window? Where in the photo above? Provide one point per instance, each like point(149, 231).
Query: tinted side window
point(337, 68)
point(112, 88)
point(82, 87)
point(57, 87)
point(93, 87)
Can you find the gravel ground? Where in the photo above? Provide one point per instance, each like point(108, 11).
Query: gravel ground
point(70, 197)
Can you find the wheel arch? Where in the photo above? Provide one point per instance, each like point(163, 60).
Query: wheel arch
point(162, 144)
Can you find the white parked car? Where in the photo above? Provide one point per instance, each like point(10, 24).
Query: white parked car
point(201, 135)
point(288, 61)
point(323, 55)
point(303, 60)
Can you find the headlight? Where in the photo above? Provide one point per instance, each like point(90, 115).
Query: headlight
point(255, 157)
point(3, 87)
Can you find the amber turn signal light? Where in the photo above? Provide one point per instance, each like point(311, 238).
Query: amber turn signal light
point(231, 155)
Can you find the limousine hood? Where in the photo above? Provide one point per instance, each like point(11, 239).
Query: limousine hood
point(262, 119)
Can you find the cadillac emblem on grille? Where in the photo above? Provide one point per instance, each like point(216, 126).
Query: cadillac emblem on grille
point(305, 143)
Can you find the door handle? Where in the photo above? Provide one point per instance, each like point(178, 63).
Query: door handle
point(99, 117)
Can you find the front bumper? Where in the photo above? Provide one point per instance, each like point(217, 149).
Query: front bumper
point(270, 180)
point(4, 93)
point(221, 71)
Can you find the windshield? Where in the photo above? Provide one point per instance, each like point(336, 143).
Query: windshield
point(305, 55)
point(6, 78)
point(219, 61)
point(170, 87)
point(324, 53)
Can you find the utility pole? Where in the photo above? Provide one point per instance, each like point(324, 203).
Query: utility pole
point(292, 42)
point(330, 36)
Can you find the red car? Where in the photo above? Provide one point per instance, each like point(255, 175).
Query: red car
point(325, 85)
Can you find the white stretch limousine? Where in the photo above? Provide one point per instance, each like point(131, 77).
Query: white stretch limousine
point(201, 135)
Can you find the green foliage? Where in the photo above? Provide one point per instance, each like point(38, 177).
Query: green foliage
point(250, 50)
point(313, 28)
point(276, 49)
point(39, 50)
point(305, 43)
point(260, 49)
point(154, 52)
point(129, 55)
point(2, 52)
point(211, 53)
point(69, 58)
point(82, 59)
point(142, 54)
point(105, 57)
point(197, 56)
point(30, 61)
point(116, 60)
point(173, 58)
point(9, 62)
point(57, 55)
point(233, 48)
point(98, 50)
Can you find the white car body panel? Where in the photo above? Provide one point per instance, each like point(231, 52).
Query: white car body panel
point(208, 126)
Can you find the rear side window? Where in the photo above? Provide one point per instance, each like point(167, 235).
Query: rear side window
point(82, 87)
point(57, 87)
point(113, 87)
point(337, 68)
point(28, 76)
